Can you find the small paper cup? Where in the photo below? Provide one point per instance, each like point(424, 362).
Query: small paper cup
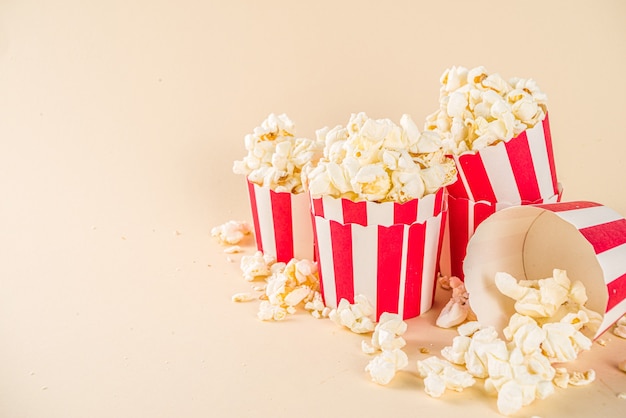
point(282, 223)
point(387, 251)
point(585, 239)
point(464, 217)
point(519, 170)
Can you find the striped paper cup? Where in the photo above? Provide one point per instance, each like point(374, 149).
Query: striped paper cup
point(385, 251)
point(585, 239)
point(464, 217)
point(282, 223)
point(519, 170)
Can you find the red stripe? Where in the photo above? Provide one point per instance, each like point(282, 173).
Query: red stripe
point(481, 212)
point(477, 178)
point(354, 212)
point(405, 213)
point(521, 161)
point(459, 235)
point(565, 206)
point(341, 238)
point(457, 189)
point(414, 270)
point(318, 207)
point(548, 136)
point(617, 292)
point(605, 236)
point(283, 225)
point(255, 216)
point(389, 267)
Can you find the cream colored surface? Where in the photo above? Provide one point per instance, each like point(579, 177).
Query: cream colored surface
point(119, 123)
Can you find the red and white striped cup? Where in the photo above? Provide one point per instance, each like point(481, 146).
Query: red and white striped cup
point(387, 251)
point(585, 239)
point(519, 170)
point(282, 223)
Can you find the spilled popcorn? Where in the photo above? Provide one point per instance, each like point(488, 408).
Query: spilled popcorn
point(620, 327)
point(275, 157)
point(231, 232)
point(546, 329)
point(457, 310)
point(387, 338)
point(257, 266)
point(377, 160)
point(478, 109)
point(357, 316)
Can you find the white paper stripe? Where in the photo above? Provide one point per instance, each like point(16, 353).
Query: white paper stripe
point(378, 214)
point(322, 227)
point(586, 217)
point(498, 167)
point(433, 227)
point(364, 269)
point(425, 208)
point(402, 284)
point(332, 209)
point(612, 262)
point(539, 152)
point(461, 176)
point(301, 226)
point(266, 219)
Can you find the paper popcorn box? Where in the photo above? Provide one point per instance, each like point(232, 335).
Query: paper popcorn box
point(282, 223)
point(464, 216)
point(385, 251)
point(519, 170)
point(586, 239)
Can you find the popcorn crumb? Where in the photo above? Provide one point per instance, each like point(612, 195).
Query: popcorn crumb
point(424, 350)
point(601, 341)
point(621, 395)
point(231, 232)
point(622, 365)
point(230, 259)
point(582, 378)
point(243, 297)
point(620, 327)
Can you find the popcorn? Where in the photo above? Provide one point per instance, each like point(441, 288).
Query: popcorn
point(457, 310)
point(269, 312)
point(257, 266)
point(384, 366)
point(377, 160)
point(477, 109)
point(357, 317)
point(387, 334)
point(243, 297)
point(231, 232)
point(622, 365)
point(275, 157)
point(316, 306)
point(620, 327)
point(564, 378)
point(440, 375)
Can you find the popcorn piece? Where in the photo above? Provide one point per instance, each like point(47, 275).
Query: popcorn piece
point(269, 312)
point(232, 249)
point(316, 306)
point(622, 365)
point(243, 297)
point(231, 232)
point(275, 157)
point(257, 266)
point(477, 109)
point(357, 317)
point(620, 327)
point(387, 333)
point(457, 309)
point(582, 378)
point(377, 160)
point(440, 375)
point(384, 366)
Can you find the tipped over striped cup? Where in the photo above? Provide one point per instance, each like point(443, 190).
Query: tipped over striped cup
point(586, 239)
point(282, 223)
point(387, 251)
point(518, 172)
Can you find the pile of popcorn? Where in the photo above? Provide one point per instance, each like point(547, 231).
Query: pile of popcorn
point(286, 286)
point(377, 160)
point(478, 109)
point(546, 328)
point(275, 157)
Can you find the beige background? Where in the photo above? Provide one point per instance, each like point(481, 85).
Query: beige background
point(119, 123)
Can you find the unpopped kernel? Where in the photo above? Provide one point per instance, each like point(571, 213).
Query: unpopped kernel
point(357, 316)
point(231, 232)
point(275, 157)
point(377, 160)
